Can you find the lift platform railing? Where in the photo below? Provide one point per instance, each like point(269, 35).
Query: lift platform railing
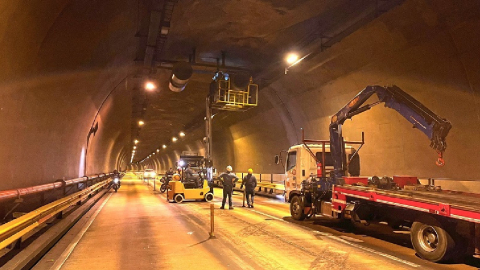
point(14, 230)
point(226, 98)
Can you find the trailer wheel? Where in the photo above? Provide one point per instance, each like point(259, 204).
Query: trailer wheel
point(432, 242)
point(296, 208)
point(178, 198)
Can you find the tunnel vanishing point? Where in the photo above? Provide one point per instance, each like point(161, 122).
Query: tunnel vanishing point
point(88, 87)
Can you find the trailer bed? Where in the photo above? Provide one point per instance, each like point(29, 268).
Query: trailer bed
point(459, 205)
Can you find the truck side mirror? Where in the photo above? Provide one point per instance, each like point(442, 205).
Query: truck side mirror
point(277, 159)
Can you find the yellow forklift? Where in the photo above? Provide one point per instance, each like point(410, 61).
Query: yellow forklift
point(188, 185)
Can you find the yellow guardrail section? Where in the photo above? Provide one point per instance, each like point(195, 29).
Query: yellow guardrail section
point(15, 229)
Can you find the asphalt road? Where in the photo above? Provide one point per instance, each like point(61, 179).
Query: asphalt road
point(137, 228)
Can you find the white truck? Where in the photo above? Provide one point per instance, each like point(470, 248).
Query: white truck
point(301, 163)
point(323, 179)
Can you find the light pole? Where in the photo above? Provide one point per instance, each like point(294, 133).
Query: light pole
point(208, 142)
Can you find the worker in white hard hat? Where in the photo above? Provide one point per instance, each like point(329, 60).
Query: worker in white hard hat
point(250, 183)
point(228, 178)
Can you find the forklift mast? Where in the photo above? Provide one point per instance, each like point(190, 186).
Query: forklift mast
point(433, 126)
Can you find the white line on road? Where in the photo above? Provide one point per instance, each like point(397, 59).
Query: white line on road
point(64, 256)
point(339, 239)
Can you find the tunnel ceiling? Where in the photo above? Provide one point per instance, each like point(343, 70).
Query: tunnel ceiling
point(254, 35)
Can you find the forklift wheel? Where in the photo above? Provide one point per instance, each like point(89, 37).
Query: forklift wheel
point(208, 197)
point(178, 198)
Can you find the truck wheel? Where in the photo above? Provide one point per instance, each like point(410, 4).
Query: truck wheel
point(208, 197)
point(296, 208)
point(178, 198)
point(431, 241)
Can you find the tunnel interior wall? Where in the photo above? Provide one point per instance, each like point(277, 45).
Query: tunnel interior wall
point(55, 73)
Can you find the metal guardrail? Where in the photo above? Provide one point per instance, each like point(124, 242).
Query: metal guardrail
point(269, 182)
point(14, 230)
point(266, 182)
point(17, 193)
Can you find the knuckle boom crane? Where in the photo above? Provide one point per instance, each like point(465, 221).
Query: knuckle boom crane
point(435, 127)
point(435, 218)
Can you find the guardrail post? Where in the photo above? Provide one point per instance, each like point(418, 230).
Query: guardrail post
point(271, 181)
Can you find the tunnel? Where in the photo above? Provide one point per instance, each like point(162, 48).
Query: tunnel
point(74, 100)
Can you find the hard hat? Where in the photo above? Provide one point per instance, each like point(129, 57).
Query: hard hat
point(250, 171)
point(229, 168)
point(176, 177)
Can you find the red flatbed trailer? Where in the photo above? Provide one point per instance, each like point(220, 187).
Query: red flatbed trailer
point(450, 204)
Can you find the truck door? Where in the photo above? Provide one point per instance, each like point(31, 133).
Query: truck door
point(291, 172)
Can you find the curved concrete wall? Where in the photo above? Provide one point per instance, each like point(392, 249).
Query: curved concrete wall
point(55, 73)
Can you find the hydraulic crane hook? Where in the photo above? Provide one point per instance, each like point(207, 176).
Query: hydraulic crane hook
point(440, 161)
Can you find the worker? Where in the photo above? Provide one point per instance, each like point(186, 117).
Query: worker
point(229, 179)
point(250, 183)
point(189, 172)
point(169, 173)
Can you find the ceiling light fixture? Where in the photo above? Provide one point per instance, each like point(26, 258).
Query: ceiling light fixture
point(291, 58)
point(150, 86)
point(181, 134)
point(174, 139)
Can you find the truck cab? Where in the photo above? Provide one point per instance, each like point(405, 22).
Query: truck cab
point(300, 164)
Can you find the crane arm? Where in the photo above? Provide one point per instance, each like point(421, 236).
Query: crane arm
point(422, 118)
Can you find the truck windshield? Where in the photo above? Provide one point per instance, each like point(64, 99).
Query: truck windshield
point(291, 160)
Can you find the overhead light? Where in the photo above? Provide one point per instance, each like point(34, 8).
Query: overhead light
point(133, 151)
point(174, 139)
point(158, 150)
point(134, 147)
point(181, 134)
point(181, 163)
point(141, 123)
point(150, 86)
point(164, 146)
point(136, 141)
point(153, 153)
point(291, 58)
point(164, 30)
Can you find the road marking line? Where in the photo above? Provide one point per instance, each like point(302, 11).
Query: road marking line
point(391, 257)
point(339, 239)
point(64, 256)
